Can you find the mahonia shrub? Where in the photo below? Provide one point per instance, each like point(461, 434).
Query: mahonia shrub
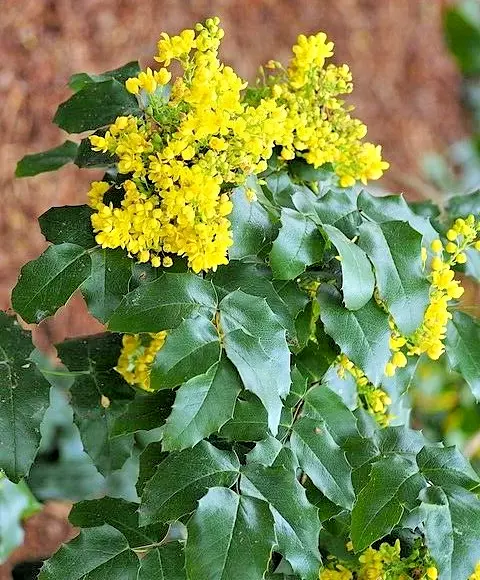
point(265, 315)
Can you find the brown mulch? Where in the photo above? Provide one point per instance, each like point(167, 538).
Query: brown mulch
point(406, 89)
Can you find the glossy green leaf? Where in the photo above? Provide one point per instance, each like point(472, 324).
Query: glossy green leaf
point(189, 350)
point(50, 160)
point(447, 466)
point(45, 284)
point(99, 396)
point(323, 403)
point(164, 563)
point(452, 530)
point(358, 281)
point(68, 224)
point(395, 251)
point(297, 525)
point(399, 440)
point(438, 530)
point(87, 157)
point(393, 208)
point(361, 334)
point(121, 515)
point(147, 411)
point(463, 348)
point(164, 303)
point(202, 406)
point(394, 484)
point(255, 342)
point(96, 554)
point(80, 80)
point(252, 226)
point(183, 478)
point(16, 503)
point(24, 396)
point(249, 421)
point(265, 451)
point(299, 244)
point(230, 536)
point(108, 282)
point(330, 208)
point(464, 205)
point(255, 279)
point(95, 105)
point(323, 460)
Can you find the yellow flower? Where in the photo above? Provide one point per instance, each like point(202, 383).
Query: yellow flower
point(137, 355)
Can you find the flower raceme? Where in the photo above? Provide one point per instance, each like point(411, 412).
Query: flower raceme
point(203, 134)
point(383, 563)
point(429, 337)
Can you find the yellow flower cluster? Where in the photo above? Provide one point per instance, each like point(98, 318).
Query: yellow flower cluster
point(374, 399)
point(137, 356)
point(381, 563)
point(476, 573)
point(182, 156)
point(338, 573)
point(320, 128)
point(204, 134)
point(429, 337)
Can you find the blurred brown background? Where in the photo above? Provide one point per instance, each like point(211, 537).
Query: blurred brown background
point(406, 87)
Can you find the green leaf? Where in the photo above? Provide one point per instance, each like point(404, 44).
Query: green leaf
point(91, 360)
point(121, 515)
point(50, 160)
point(80, 80)
point(164, 563)
point(394, 208)
point(452, 530)
point(462, 35)
point(96, 554)
point(395, 251)
point(330, 208)
point(164, 303)
point(147, 411)
point(87, 157)
point(438, 530)
point(252, 227)
point(297, 525)
point(24, 396)
point(323, 403)
point(189, 350)
point(394, 484)
point(108, 282)
point(299, 244)
point(463, 349)
point(323, 460)
point(315, 359)
point(447, 466)
point(45, 284)
point(361, 334)
point(464, 205)
point(399, 440)
point(68, 224)
point(202, 406)
point(255, 342)
point(265, 451)
point(255, 279)
point(358, 282)
point(94, 106)
point(249, 421)
point(16, 503)
point(230, 536)
point(183, 478)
